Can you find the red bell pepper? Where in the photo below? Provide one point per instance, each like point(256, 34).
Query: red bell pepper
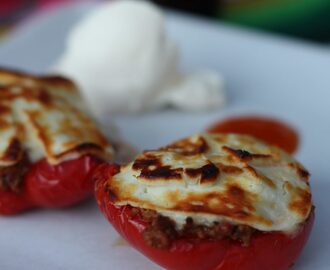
point(46, 185)
point(270, 130)
point(271, 250)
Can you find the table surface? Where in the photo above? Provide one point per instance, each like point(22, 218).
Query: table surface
point(265, 74)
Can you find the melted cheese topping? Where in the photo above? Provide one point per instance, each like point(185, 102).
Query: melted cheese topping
point(213, 178)
point(45, 117)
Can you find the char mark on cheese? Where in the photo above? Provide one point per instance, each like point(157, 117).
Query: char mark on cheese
point(188, 147)
point(88, 148)
point(164, 172)
point(229, 169)
point(146, 162)
point(243, 154)
point(207, 173)
point(151, 168)
point(261, 177)
point(44, 97)
point(14, 151)
point(11, 177)
point(301, 171)
point(4, 109)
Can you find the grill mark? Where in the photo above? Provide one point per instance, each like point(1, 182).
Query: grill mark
point(69, 127)
point(261, 177)
point(151, 168)
point(241, 202)
point(300, 201)
point(187, 147)
point(29, 93)
point(243, 154)
point(11, 177)
point(229, 169)
point(83, 148)
point(300, 204)
point(14, 151)
point(208, 173)
point(33, 115)
point(164, 172)
point(4, 124)
point(88, 148)
point(4, 109)
point(44, 97)
point(140, 164)
point(303, 173)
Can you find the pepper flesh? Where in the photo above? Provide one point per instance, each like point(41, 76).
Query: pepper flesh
point(271, 250)
point(47, 185)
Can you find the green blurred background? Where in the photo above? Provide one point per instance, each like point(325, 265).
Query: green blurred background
point(308, 19)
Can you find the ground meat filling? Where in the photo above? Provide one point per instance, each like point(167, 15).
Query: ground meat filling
point(11, 177)
point(161, 231)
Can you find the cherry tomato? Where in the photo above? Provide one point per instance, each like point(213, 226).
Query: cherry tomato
point(47, 185)
point(276, 251)
point(267, 129)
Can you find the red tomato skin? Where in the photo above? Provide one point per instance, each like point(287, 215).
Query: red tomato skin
point(12, 203)
point(274, 251)
point(268, 129)
point(61, 185)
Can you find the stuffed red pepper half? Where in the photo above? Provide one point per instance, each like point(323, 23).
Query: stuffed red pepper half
point(211, 202)
point(49, 146)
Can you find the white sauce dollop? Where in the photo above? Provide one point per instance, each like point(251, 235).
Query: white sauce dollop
point(124, 61)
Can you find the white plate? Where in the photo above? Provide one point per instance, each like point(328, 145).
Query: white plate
point(265, 74)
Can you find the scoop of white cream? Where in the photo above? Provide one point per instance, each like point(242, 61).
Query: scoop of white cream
point(123, 60)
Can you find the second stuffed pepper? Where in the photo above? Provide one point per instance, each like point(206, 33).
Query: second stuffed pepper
point(49, 145)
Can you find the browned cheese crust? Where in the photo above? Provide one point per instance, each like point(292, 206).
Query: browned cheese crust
point(43, 117)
